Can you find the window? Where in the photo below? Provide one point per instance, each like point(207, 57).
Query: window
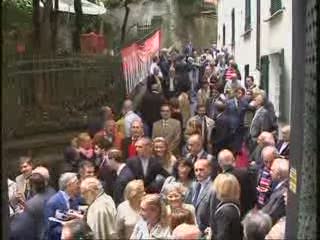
point(224, 35)
point(246, 70)
point(264, 74)
point(275, 6)
point(247, 22)
point(232, 28)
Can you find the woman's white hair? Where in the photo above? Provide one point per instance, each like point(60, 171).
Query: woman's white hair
point(175, 186)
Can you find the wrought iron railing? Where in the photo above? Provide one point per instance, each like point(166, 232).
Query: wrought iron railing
point(51, 94)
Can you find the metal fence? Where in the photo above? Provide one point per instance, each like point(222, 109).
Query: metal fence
point(57, 93)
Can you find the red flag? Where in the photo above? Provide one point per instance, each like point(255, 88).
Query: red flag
point(136, 60)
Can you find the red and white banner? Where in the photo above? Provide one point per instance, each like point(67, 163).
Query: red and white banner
point(137, 58)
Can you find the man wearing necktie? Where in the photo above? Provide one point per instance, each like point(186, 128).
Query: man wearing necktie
point(22, 181)
point(236, 109)
point(65, 199)
point(206, 123)
point(168, 128)
point(199, 195)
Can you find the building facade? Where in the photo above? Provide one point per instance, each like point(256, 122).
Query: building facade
point(259, 35)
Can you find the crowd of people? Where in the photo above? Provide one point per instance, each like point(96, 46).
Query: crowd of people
point(201, 156)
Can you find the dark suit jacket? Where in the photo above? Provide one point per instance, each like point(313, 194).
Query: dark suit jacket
point(221, 135)
point(236, 113)
point(125, 145)
point(154, 169)
point(214, 163)
point(236, 116)
point(56, 202)
point(30, 224)
point(286, 151)
point(107, 176)
point(150, 107)
point(248, 188)
point(227, 225)
point(275, 203)
point(121, 182)
point(22, 227)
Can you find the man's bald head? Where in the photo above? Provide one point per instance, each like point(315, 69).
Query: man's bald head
point(279, 169)
point(186, 231)
point(266, 139)
point(268, 154)
point(226, 158)
point(195, 144)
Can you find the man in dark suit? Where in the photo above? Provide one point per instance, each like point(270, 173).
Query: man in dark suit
point(247, 180)
point(150, 106)
point(221, 135)
point(279, 174)
point(236, 109)
point(196, 152)
point(124, 174)
point(264, 139)
point(64, 200)
point(128, 144)
point(199, 194)
point(30, 223)
point(146, 167)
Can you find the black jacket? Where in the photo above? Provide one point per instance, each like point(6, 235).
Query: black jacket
point(154, 169)
point(221, 135)
point(247, 181)
point(150, 107)
point(227, 222)
point(124, 177)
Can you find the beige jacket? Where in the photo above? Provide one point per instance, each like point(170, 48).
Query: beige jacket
point(101, 216)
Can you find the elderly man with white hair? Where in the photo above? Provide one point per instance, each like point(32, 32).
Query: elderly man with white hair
point(275, 207)
point(60, 204)
point(101, 213)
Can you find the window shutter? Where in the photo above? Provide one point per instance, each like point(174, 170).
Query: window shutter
point(232, 28)
point(224, 35)
point(275, 6)
point(247, 24)
point(264, 77)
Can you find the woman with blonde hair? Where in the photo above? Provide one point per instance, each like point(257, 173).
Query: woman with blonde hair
point(153, 223)
point(226, 218)
point(85, 146)
point(161, 150)
point(128, 211)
